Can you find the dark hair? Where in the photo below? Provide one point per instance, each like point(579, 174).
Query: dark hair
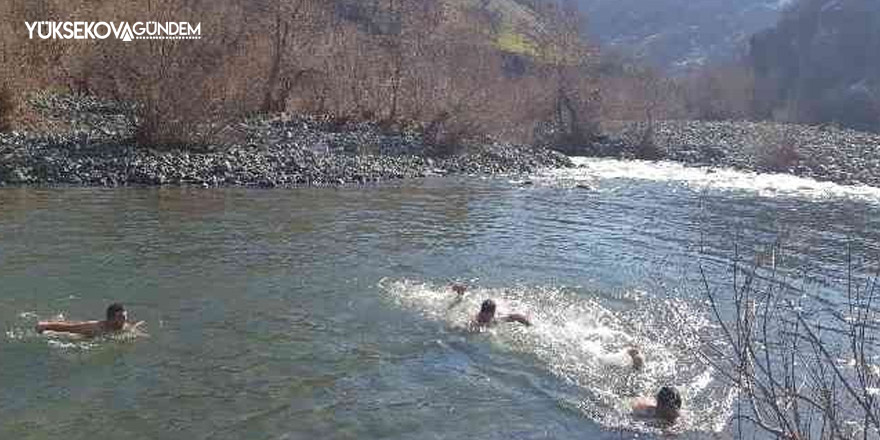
point(668, 397)
point(488, 306)
point(113, 309)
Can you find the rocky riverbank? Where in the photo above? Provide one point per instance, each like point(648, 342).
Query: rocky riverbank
point(820, 152)
point(97, 150)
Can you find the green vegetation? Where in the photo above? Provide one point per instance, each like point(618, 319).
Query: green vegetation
point(508, 40)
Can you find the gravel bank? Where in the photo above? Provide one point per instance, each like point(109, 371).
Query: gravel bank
point(281, 151)
point(820, 152)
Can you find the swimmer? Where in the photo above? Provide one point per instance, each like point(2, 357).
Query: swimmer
point(117, 320)
point(665, 407)
point(486, 317)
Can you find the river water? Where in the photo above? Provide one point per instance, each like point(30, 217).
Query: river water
point(325, 313)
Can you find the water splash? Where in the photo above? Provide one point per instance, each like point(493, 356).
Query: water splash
point(582, 342)
point(592, 170)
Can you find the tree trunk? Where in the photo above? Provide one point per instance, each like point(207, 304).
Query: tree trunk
point(270, 100)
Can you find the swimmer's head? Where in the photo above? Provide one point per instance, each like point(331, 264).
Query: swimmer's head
point(638, 361)
point(668, 404)
point(116, 316)
point(459, 288)
point(487, 312)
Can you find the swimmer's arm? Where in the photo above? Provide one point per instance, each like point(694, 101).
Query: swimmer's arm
point(516, 317)
point(89, 328)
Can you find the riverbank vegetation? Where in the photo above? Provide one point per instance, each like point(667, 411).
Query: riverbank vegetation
point(451, 69)
point(817, 66)
point(456, 71)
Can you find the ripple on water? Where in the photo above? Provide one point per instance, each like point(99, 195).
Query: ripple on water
point(582, 342)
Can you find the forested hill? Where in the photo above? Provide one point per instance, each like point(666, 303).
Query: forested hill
point(679, 34)
point(821, 63)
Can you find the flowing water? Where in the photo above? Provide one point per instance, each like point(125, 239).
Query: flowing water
point(326, 313)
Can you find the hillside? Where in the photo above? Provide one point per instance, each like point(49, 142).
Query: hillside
point(456, 70)
point(508, 25)
point(820, 64)
point(679, 33)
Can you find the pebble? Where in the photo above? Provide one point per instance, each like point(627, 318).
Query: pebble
point(277, 151)
point(823, 153)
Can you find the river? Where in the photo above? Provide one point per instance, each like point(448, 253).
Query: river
point(323, 313)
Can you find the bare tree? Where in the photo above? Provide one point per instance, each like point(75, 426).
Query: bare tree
point(805, 366)
point(410, 63)
point(721, 92)
point(571, 63)
point(296, 25)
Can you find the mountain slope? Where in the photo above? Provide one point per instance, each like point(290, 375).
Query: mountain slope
point(679, 33)
point(821, 63)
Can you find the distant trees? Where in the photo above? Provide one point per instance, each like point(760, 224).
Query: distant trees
point(638, 96)
point(292, 29)
point(820, 64)
point(435, 65)
point(7, 107)
point(455, 71)
point(181, 86)
point(720, 92)
point(570, 65)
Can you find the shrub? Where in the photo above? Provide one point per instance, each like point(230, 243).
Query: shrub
point(778, 153)
point(647, 148)
point(7, 107)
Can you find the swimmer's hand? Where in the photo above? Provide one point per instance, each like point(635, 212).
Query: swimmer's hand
point(136, 328)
